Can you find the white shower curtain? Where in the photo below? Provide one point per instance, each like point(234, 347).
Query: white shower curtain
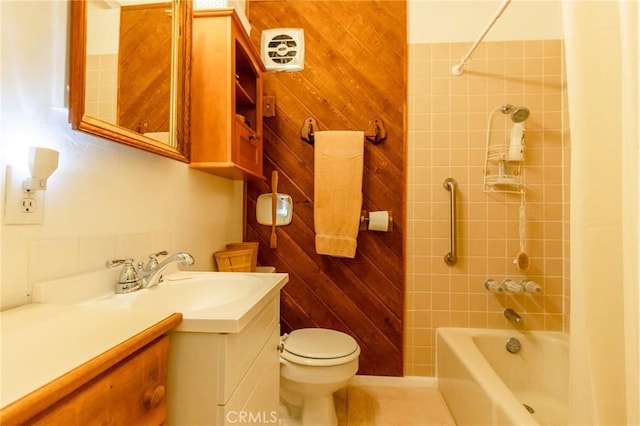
point(601, 40)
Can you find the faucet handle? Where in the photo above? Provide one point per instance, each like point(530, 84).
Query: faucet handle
point(128, 273)
point(511, 287)
point(115, 262)
point(153, 260)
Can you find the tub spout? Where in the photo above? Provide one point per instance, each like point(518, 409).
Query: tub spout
point(513, 317)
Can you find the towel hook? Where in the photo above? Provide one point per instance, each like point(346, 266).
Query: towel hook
point(376, 132)
point(307, 132)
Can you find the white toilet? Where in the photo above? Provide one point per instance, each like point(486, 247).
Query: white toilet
point(315, 363)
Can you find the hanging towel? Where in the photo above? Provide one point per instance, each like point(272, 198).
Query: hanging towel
point(338, 165)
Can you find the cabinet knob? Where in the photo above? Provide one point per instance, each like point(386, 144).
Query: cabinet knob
point(153, 398)
point(252, 137)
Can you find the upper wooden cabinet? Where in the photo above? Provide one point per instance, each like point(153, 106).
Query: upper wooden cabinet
point(226, 97)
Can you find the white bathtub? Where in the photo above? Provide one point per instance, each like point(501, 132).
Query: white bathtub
point(484, 384)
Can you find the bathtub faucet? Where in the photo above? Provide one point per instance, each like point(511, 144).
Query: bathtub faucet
point(513, 317)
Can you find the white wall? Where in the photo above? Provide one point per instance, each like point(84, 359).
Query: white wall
point(105, 200)
point(438, 21)
point(103, 29)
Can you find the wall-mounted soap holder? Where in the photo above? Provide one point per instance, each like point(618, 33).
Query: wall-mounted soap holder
point(284, 209)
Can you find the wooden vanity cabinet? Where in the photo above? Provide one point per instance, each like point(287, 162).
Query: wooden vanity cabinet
point(131, 392)
point(226, 97)
point(125, 385)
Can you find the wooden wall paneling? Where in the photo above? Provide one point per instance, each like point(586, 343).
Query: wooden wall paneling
point(317, 300)
point(354, 71)
point(144, 92)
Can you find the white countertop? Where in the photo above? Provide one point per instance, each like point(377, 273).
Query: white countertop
point(95, 290)
point(40, 342)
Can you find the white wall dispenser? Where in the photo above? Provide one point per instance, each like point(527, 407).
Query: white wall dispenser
point(282, 49)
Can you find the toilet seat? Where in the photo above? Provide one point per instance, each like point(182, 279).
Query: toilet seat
point(318, 346)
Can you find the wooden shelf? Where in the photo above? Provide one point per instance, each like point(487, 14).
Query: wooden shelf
point(243, 97)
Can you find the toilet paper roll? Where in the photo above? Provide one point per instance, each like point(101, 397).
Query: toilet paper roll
point(379, 221)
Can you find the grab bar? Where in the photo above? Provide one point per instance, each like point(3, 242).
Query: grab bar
point(451, 258)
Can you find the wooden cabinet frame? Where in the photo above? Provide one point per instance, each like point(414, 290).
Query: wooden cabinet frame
point(226, 98)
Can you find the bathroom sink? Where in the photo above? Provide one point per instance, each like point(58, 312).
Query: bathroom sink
point(210, 302)
point(189, 293)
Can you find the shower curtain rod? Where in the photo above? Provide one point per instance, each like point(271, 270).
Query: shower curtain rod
point(458, 69)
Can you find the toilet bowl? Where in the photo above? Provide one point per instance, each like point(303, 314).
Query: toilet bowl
point(314, 364)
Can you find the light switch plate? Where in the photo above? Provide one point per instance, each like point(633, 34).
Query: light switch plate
point(268, 106)
point(21, 208)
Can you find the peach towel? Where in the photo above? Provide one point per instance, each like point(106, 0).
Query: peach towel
point(338, 166)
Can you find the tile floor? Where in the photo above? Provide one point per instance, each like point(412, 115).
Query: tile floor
point(364, 404)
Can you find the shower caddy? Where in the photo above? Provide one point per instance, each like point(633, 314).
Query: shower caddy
point(502, 174)
point(503, 171)
point(503, 163)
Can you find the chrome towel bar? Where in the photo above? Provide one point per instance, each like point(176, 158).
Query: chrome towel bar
point(451, 258)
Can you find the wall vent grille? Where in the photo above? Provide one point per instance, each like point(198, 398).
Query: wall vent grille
point(282, 49)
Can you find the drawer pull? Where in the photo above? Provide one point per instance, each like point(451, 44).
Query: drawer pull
point(154, 398)
point(252, 137)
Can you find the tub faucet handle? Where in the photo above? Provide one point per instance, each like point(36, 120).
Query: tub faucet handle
point(530, 286)
point(493, 286)
point(511, 287)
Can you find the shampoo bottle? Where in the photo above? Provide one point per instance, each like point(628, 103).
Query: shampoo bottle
point(516, 143)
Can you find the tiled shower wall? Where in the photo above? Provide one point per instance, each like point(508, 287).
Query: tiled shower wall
point(101, 88)
point(448, 129)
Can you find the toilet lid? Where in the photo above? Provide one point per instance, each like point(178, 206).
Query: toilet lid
point(319, 343)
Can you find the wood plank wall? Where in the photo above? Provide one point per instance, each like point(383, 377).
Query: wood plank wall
point(144, 92)
point(355, 70)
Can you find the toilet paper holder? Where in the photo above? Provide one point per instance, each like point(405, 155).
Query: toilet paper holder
point(366, 223)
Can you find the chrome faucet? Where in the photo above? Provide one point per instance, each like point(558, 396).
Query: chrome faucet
point(152, 274)
point(133, 279)
point(513, 317)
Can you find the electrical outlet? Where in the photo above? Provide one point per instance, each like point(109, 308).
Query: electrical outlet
point(29, 205)
point(21, 208)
